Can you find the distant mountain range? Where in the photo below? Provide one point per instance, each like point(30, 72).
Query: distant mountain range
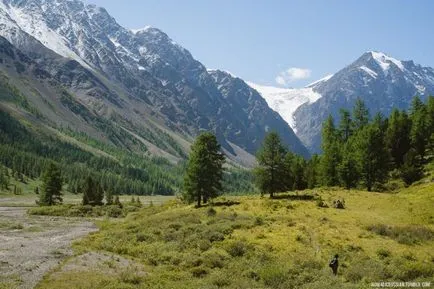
point(381, 81)
point(80, 71)
point(139, 83)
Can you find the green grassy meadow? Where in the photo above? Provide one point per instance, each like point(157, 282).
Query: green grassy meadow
point(257, 242)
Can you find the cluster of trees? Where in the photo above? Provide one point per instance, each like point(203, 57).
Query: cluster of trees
point(92, 191)
point(359, 151)
point(279, 170)
point(28, 154)
point(364, 151)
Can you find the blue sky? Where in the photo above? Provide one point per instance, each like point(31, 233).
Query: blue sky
point(285, 42)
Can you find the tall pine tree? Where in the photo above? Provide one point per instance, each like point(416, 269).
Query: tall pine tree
point(272, 171)
point(371, 155)
point(360, 114)
point(398, 137)
point(330, 158)
point(204, 174)
point(419, 134)
point(51, 190)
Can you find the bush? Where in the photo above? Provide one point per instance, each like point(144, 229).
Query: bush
point(237, 248)
point(211, 212)
point(383, 253)
point(199, 272)
point(338, 204)
point(321, 203)
point(215, 258)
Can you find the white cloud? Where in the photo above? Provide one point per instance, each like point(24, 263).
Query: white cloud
point(292, 74)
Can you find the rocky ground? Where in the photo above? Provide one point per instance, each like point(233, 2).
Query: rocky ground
point(32, 245)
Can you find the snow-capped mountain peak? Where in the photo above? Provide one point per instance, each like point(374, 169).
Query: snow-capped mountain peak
point(384, 60)
point(383, 82)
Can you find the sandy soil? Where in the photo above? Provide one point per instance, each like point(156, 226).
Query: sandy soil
point(32, 245)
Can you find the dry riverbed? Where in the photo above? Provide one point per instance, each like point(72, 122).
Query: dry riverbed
point(32, 245)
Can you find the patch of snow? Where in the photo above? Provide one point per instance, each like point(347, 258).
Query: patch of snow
point(135, 31)
point(369, 71)
point(285, 101)
point(324, 79)
point(35, 25)
point(384, 61)
point(420, 88)
point(123, 50)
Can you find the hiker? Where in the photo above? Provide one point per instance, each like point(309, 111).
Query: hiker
point(334, 264)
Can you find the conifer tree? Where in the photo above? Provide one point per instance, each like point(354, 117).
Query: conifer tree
point(117, 202)
point(360, 114)
point(411, 169)
point(398, 137)
point(347, 168)
point(93, 194)
point(345, 125)
point(204, 174)
point(312, 171)
point(419, 134)
point(51, 186)
point(371, 155)
point(271, 174)
point(430, 109)
point(330, 157)
point(298, 170)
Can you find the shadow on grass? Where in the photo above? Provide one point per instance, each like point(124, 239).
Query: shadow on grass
point(302, 197)
point(227, 203)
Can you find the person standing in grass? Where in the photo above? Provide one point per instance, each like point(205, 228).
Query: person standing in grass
point(334, 264)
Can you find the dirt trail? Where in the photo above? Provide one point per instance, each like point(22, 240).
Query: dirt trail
point(32, 245)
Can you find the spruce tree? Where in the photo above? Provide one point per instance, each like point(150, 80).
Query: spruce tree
point(330, 157)
point(360, 114)
point(313, 171)
point(298, 170)
point(117, 202)
point(345, 125)
point(398, 137)
point(271, 174)
point(51, 186)
point(430, 109)
point(419, 134)
point(347, 168)
point(371, 155)
point(204, 174)
point(93, 194)
point(411, 169)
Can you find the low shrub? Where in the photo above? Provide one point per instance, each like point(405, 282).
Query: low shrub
point(408, 235)
point(383, 253)
point(69, 210)
point(237, 248)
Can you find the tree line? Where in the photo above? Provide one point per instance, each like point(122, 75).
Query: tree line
point(359, 151)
